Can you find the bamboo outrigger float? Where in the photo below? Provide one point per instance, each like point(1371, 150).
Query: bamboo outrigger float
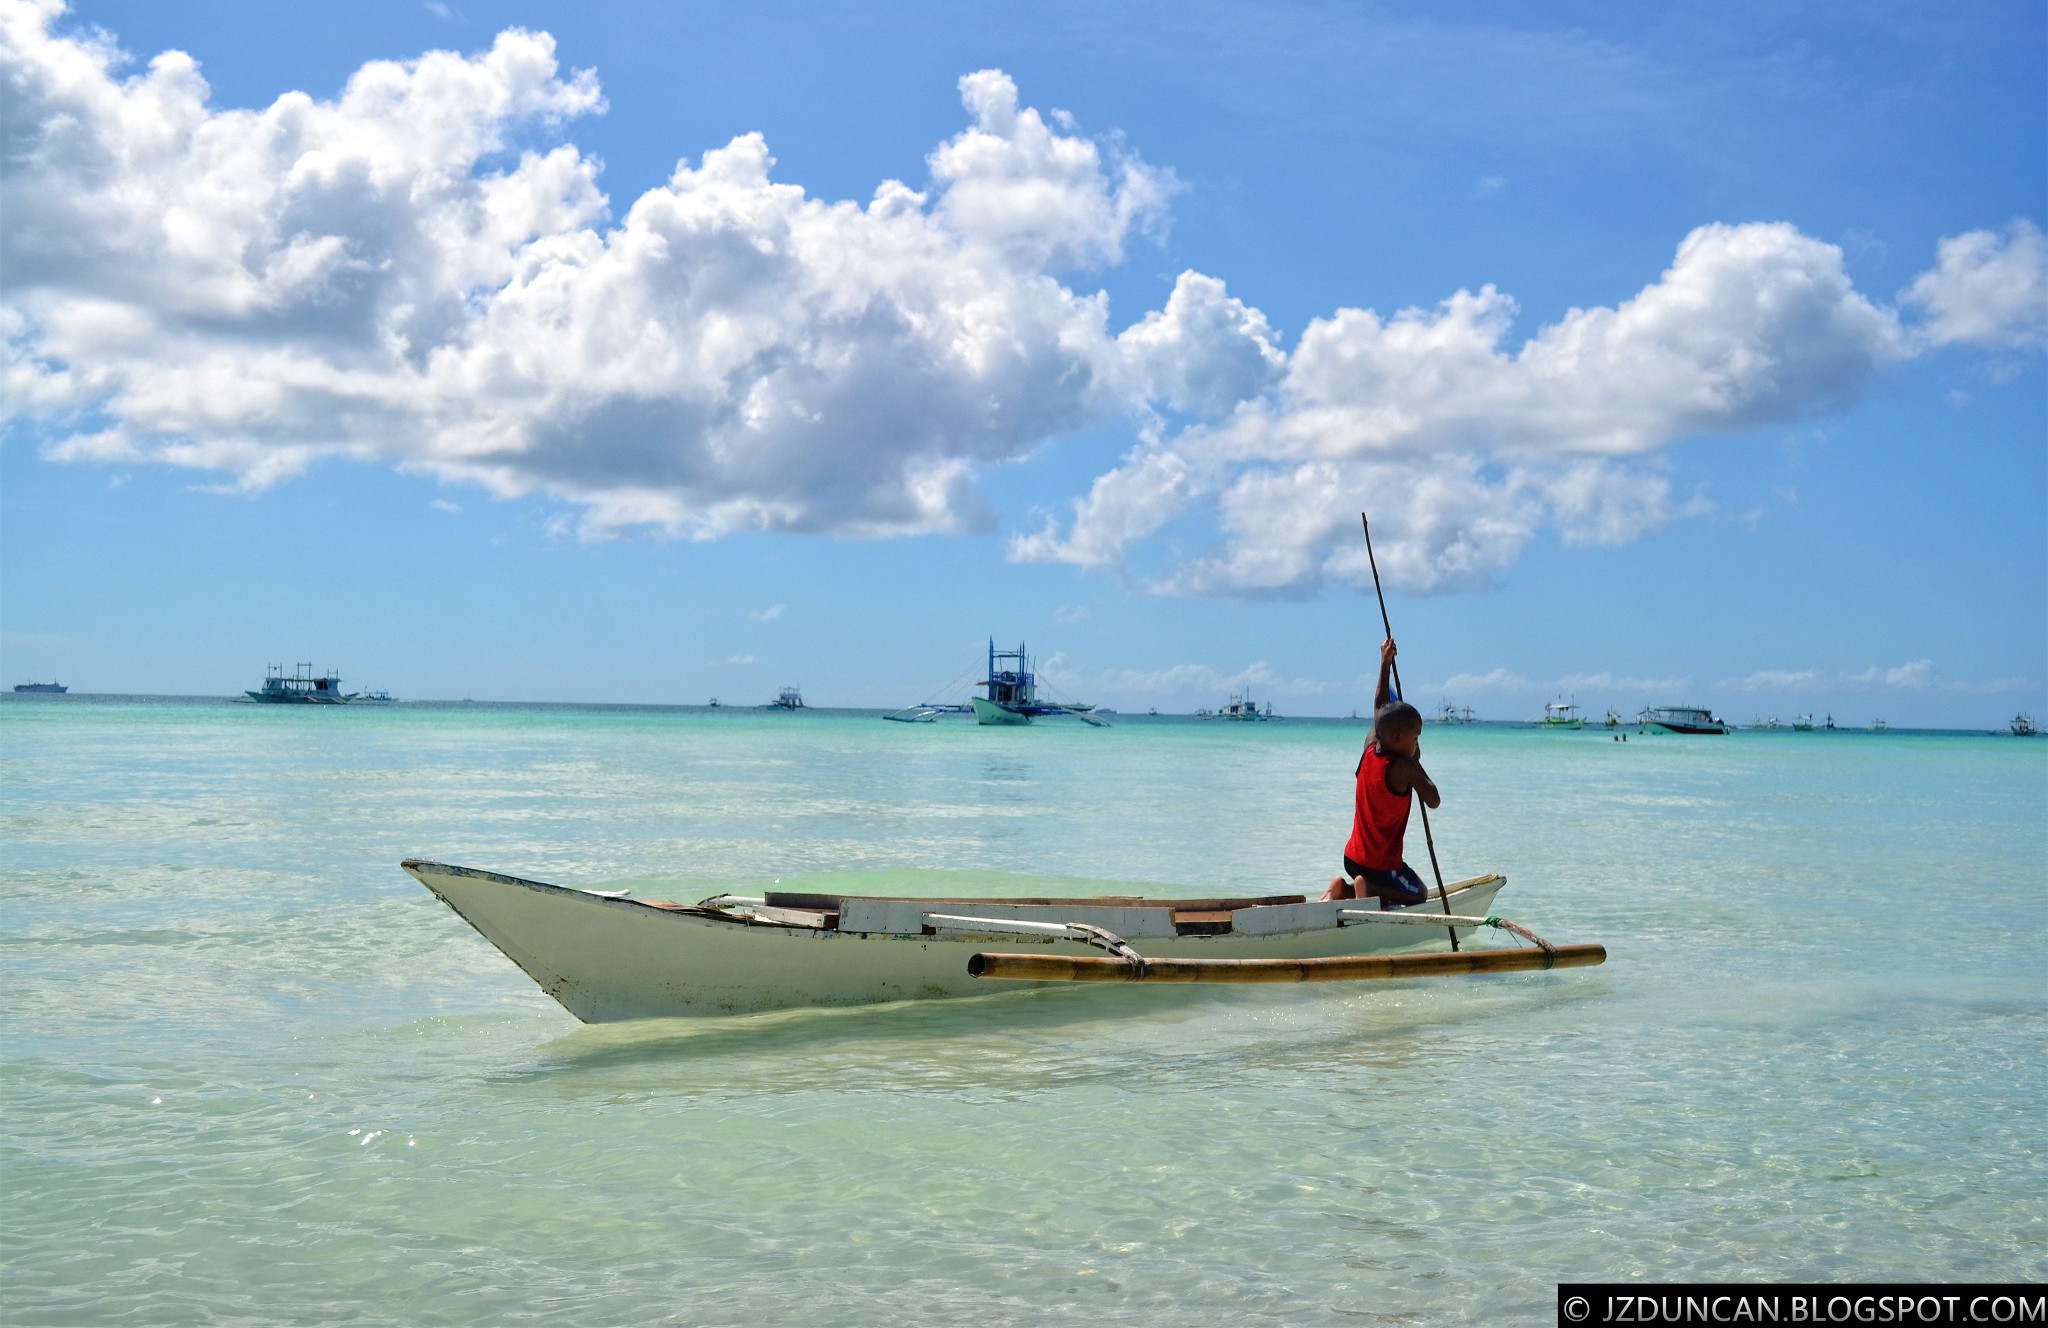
point(608, 956)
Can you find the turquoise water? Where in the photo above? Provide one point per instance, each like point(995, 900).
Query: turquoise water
point(254, 1074)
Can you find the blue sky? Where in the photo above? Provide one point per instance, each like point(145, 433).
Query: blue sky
point(1720, 377)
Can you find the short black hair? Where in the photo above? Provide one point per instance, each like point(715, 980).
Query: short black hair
point(1396, 717)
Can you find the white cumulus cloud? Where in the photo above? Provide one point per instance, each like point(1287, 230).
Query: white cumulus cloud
point(1464, 445)
point(373, 276)
point(1187, 684)
point(1987, 289)
point(1776, 680)
point(1914, 675)
point(1044, 197)
point(422, 271)
point(1493, 680)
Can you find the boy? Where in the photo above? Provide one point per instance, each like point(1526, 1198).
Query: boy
point(1388, 772)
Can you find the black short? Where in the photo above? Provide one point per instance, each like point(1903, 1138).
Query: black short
point(1398, 887)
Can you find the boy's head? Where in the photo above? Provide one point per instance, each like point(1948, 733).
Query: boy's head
point(1397, 728)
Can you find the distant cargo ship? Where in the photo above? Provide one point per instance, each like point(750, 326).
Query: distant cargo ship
point(52, 688)
point(300, 687)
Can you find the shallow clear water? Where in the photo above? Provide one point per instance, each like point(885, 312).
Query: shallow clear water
point(254, 1074)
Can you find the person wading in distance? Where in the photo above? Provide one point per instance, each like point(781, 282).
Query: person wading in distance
point(1388, 772)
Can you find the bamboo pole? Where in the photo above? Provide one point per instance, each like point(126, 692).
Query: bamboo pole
point(1427, 838)
point(1339, 968)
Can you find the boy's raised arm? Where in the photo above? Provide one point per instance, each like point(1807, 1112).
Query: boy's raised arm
point(1385, 692)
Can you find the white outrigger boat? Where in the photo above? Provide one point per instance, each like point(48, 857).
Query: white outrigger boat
point(608, 956)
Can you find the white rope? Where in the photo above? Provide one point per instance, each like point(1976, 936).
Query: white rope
point(1416, 919)
point(1079, 931)
point(1000, 924)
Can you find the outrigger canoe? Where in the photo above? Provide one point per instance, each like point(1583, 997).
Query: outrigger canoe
point(608, 956)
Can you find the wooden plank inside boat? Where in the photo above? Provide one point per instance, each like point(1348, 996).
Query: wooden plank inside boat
point(1201, 922)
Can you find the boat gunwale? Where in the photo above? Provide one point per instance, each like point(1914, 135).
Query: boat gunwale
point(733, 917)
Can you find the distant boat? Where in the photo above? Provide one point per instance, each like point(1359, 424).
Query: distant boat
point(1830, 725)
point(1681, 719)
point(1013, 693)
point(789, 698)
point(47, 688)
point(1242, 707)
point(1446, 713)
point(714, 704)
point(1613, 720)
point(1878, 726)
point(1561, 715)
point(300, 687)
point(2022, 725)
point(376, 696)
point(1803, 724)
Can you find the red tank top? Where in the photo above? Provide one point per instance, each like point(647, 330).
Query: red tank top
point(1380, 821)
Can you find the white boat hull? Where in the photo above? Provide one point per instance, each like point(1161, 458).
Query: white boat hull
point(988, 712)
point(606, 957)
